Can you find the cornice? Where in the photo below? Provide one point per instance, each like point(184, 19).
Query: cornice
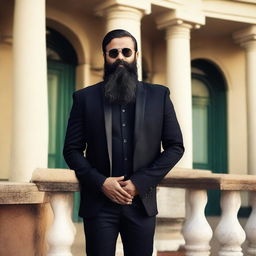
point(245, 35)
point(142, 5)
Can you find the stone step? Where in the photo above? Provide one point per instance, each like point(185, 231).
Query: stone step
point(178, 253)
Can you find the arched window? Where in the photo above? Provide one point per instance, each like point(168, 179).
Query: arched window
point(209, 123)
point(61, 63)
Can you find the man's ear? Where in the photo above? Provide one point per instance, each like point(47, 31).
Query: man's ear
point(137, 55)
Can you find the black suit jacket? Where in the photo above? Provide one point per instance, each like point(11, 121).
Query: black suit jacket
point(88, 143)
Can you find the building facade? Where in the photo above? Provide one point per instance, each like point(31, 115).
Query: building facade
point(203, 50)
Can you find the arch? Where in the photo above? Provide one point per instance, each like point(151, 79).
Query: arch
point(210, 118)
point(81, 47)
point(63, 51)
point(212, 71)
point(216, 62)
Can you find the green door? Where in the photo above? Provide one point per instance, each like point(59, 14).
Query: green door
point(60, 87)
point(209, 127)
point(61, 84)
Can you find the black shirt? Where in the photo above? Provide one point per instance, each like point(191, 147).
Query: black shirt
point(122, 139)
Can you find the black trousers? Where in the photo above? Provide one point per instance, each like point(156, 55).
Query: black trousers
point(135, 227)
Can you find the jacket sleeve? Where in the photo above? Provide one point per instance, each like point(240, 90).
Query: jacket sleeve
point(146, 179)
point(75, 145)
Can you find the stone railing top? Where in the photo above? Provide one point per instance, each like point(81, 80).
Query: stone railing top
point(64, 180)
point(53, 180)
point(199, 179)
point(20, 193)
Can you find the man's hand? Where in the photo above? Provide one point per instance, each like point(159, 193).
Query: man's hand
point(113, 190)
point(129, 187)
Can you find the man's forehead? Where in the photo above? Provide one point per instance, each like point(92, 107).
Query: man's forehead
point(120, 42)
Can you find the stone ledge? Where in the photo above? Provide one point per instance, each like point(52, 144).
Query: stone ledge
point(57, 186)
point(207, 180)
point(54, 175)
point(55, 180)
point(21, 193)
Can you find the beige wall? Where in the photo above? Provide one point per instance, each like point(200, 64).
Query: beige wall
point(85, 32)
point(229, 58)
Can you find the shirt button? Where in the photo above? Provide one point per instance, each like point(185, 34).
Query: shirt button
point(123, 110)
point(123, 124)
point(125, 159)
point(125, 140)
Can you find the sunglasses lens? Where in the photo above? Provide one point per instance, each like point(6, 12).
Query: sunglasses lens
point(113, 53)
point(127, 52)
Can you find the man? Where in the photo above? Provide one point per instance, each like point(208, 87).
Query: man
point(113, 142)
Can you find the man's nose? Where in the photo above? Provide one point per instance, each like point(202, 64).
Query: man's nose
point(120, 56)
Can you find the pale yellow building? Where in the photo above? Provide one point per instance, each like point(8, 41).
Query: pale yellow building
point(203, 50)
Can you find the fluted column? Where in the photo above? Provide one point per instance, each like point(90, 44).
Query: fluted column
point(247, 39)
point(126, 15)
point(179, 81)
point(30, 119)
point(178, 76)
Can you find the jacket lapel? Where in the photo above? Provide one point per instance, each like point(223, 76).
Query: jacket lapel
point(108, 129)
point(139, 119)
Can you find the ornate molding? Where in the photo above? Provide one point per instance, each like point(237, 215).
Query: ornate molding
point(179, 17)
point(143, 5)
point(246, 37)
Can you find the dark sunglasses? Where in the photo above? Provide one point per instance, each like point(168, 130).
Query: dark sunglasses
point(113, 53)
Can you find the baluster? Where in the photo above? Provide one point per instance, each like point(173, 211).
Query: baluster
point(197, 231)
point(250, 227)
point(62, 232)
point(229, 232)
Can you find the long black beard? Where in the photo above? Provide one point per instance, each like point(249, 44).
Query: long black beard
point(120, 82)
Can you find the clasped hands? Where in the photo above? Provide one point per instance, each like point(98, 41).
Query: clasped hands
point(118, 190)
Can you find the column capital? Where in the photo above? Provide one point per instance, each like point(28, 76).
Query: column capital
point(142, 6)
point(246, 37)
point(180, 17)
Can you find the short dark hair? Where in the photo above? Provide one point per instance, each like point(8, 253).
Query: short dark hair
point(117, 33)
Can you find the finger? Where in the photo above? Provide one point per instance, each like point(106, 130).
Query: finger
point(123, 192)
point(119, 178)
point(122, 183)
point(113, 194)
point(123, 199)
point(123, 202)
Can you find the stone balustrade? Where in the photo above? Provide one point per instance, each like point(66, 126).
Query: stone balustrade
point(56, 186)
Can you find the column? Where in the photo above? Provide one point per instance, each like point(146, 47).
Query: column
point(247, 39)
point(178, 76)
point(30, 118)
point(126, 15)
point(178, 79)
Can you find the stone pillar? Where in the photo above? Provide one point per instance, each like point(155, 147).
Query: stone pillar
point(126, 15)
point(247, 39)
point(30, 119)
point(179, 75)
